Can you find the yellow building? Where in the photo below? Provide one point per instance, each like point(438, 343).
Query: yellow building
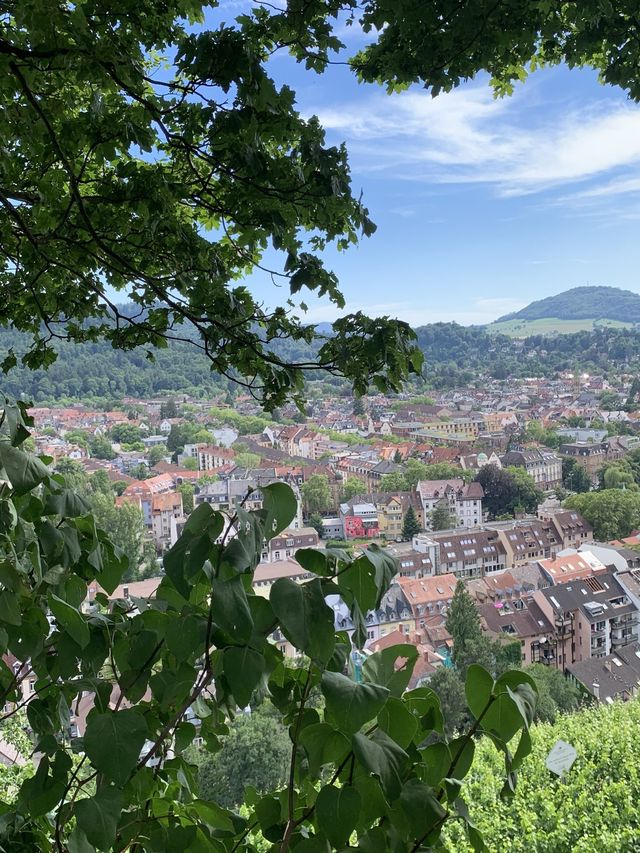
point(463, 428)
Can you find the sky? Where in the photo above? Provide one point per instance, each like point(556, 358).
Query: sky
point(482, 205)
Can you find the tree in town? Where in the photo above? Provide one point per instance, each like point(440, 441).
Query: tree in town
point(256, 752)
point(574, 475)
point(125, 524)
point(442, 471)
point(448, 685)
point(358, 407)
point(156, 454)
point(615, 476)
point(440, 517)
point(315, 521)
point(125, 433)
point(316, 493)
point(410, 525)
point(187, 491)
point(395, 482)
point(613, 513)
point(168, 409)
point(528, 495)
point(248, 460)
point(463, 622)
point(556, 694)
point(500, 490)
point(100, 448)
point(398, 457)
point(190, 463)
point(353, 486)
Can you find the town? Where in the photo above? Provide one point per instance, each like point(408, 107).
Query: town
point(468, 485)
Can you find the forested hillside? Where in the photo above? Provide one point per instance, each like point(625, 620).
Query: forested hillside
point(454, 355)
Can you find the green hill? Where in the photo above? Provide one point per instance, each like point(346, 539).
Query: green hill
point(576, 310)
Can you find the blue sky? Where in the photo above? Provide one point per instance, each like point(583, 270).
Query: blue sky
point(482, 205)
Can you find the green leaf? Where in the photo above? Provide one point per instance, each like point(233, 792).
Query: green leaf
point(313, 561)
point(421, 808)
point(323, 745)
point(436, 762)
point(384, 758)
point(66, 504)
point(380, 667)
point(98, 816)
point(231, 608)
point(243, 668)
point(350, 705)
point(359, 581)
point(503, 718)
point(24, 470)
point(425, 704)
point(398, 722)
point(78, 842)
point(113, 742)
point(305, 618)
point(70, 620)
point(478, 686)
point(337, 811)
point(185, 637)
point(10, 608)
point(279, 507)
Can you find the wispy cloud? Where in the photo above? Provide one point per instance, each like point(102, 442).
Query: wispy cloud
point(515, 145)
point(476, 312)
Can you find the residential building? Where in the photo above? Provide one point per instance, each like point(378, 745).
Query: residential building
point(593, 617)
point(164, 508)
point(522, 620)
point(359, 520)
point(591, 455)
point(464, 429)
point(472, 554)
point(267, 573)
point(544, 466)
point(463, 501)
point(285, 544)
point(567, 566)
point(415, 564)
point(610, 678)
point(428, 596)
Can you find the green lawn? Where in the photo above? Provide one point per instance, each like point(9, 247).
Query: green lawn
point(551, 326)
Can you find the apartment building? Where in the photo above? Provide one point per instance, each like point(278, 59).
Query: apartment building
point(591, 456)
point(522, 620)
point(544, 466)
point(593, 617)
point(463, 500)
point(472, 554)
point(285, 545)
point(164, 508)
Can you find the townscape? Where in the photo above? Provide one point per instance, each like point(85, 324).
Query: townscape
point(472, 486)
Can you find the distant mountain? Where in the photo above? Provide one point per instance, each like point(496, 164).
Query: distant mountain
point(583, 303)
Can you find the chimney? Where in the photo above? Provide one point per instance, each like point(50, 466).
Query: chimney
point(596, 690)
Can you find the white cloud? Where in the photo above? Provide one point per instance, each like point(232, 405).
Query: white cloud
point(514, 144)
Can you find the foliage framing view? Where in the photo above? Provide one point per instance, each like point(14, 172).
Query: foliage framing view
point(169, 186)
